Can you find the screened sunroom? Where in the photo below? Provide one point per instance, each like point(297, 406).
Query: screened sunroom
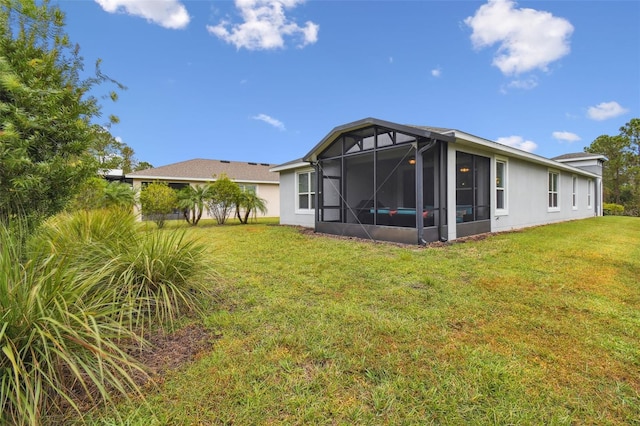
point(382, 181)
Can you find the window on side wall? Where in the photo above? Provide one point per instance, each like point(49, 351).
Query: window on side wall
point(574, 192)
point(589, 192)
point(305, 191)
point(249, 188)
point(554, 194)
point(501, 187)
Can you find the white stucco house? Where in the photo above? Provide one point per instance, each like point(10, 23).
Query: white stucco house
point(417, 184)
point(250, 176)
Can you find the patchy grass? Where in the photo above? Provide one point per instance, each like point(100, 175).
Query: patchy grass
point(534, 327)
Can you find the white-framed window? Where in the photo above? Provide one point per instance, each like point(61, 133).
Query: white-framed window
point(589, 193)
point(554, 191)
point(305, 191)
point(501, 187)
point(574, 192)
point(248, 188)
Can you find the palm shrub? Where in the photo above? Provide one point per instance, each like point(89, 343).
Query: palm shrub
point(247, 203)
point(119, 195)
point(192, 199)
point(58, 334)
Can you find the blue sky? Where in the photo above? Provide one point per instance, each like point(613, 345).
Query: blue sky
point(265, 80)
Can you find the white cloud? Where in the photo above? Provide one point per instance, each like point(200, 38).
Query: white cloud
point(166, 13)
point(566, 136)
point(518, 142)
point(270, 120)
point(437, 72)
point(529, 39)
point(524, 84)
point(605, 110)
point(265, 26)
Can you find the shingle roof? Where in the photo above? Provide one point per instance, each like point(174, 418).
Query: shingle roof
point(576, 155)
point(202, 169)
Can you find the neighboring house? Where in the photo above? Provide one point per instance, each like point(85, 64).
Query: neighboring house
point(250, 176)
point(365, 179)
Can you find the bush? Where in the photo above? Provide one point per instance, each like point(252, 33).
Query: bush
point(58, 334)
point(81, 287)
point(612, 209)
point(155, 275)
point(157, 200)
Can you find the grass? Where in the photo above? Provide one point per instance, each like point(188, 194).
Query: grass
point(534, 327)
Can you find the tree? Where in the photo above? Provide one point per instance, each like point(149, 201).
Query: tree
point(157, 201)
point(248, 202)
point(631, 131)
point(90, 195)
point(45, 112)
point(615, 172)
point(621, 176)
point(142, 165)
point(191, 200)
point(224, 193)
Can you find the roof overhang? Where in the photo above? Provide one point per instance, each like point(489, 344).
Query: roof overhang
point(312, 156)
point(509, 151)
point(295, 164)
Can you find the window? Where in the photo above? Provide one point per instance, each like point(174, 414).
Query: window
point(574, 192)
point(306, 190)
point(501, 186)
point(554, 178)
point(248, 188)
point(589, 191)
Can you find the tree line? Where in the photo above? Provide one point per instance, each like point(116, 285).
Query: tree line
point(621, 176)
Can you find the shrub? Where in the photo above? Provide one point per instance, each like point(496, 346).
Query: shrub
point(57, 333)
point(158, 200)
point(612, 209)
point(154, 275)
point(223, 195)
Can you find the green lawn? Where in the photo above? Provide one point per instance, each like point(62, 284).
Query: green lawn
point(534, 327)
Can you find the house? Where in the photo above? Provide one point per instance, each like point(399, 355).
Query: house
point(250, 176)
point(413, 184)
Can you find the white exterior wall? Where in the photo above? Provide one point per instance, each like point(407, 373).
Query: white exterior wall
point(527, 193)
point(528, 196)
point(289, 214)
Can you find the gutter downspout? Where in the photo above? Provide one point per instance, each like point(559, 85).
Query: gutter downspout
point(419, 190)
point(442, 192)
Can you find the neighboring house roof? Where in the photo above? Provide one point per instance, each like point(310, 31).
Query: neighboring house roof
point(579, 156)
point(200, 169)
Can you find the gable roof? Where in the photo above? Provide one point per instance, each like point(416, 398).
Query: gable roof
point(439, 133)
point(200, 169)
point(370, 121)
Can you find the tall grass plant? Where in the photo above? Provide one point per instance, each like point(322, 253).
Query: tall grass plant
point(58, 337)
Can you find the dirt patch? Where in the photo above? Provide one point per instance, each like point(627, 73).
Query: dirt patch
point(173, 350)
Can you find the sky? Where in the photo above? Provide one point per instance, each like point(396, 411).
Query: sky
point(265, 80)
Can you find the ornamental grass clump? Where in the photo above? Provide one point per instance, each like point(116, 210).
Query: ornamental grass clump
point(59, 342)
point(156, 275)
point(162, 275)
